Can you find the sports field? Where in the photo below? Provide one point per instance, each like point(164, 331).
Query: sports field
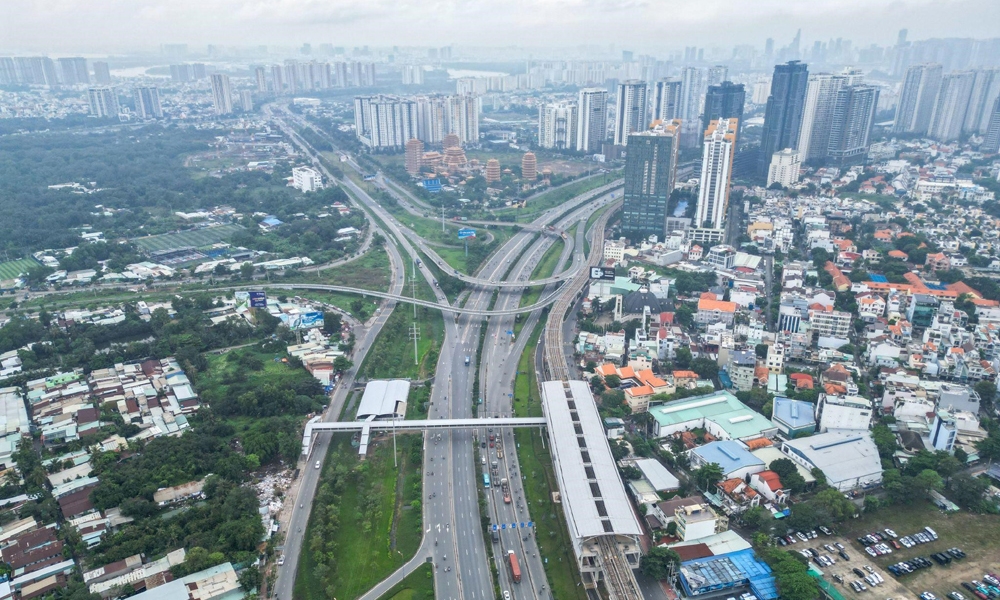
point(196, 238)
point(13, 268)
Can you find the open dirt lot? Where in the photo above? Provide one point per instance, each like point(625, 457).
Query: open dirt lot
point(977, 535)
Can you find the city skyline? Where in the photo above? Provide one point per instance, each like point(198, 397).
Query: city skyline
point(116, 25)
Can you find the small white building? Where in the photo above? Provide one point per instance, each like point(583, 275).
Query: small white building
point(838, 413)
point(784, 168)
point(306, 179)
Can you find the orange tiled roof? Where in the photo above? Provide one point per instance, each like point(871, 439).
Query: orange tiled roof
point(649, 378)
point(834, 389)
point(963, 288)
point(898, 254)
point(719, 305)
point(607, 369)
point(772, 479)
point(685, 375)
point(758, 443)
point(642, 390)
point(626, 373)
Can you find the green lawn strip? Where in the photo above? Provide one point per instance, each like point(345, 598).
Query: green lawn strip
point(554, 197)
point(12, 268)
point(392, 353)
point(975, 534)
point(545, 268)
point(536, 465)
point(371, 272)
point(415, 586)
point(357, 549)
point(590, 223)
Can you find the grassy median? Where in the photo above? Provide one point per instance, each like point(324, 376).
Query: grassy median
point(536, 466)
point(365, 521)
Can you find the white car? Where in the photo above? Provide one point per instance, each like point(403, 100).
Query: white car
point(281, 560)
point(506, 595)
point(317, 464)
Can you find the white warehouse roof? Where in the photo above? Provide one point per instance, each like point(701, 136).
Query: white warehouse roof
point(593, 496)
point(384, 399)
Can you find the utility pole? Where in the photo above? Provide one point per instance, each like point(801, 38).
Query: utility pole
point(415, 335)
point(442, 216)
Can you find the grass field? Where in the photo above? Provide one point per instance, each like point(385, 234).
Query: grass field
point(546, 266)
point(555, 197)
point(536, 464)
point(418, 584)
point(197, 238)
point(976, 534)
point(382, 493)
point(370, 272)
point(13, 268)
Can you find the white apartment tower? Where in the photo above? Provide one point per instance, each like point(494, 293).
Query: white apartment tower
point(716, 170)
point(147, 102)
point(463, 118)
point(817, 116)
point(557, 126)
point(222, 94)
point(667, 100)
point(917, 98)
point(592, 124)
point(631, 114)
point(306, 179)
point(103, 102)
point(948, 116)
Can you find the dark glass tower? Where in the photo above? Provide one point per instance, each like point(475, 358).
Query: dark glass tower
point(783, 115)
point(650, 169)
point(723, 101)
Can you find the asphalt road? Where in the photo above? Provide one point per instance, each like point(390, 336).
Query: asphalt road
point(453, 532)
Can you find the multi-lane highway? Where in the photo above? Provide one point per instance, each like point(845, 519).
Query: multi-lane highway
point(452, 478)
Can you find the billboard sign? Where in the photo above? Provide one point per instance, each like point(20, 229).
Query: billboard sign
point(464, 234)
point(432, 185)
point(606, 273)
point(258, 300)
point(310, 320)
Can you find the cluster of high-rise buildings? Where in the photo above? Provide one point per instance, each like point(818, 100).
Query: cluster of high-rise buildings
point(388, 122)
point(299, 76)
point(42, 70)
point(945, 106)
point(103, 102)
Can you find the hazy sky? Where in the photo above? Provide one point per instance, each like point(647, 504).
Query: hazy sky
point(656, 26)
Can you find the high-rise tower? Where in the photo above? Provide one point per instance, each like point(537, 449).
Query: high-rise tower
point(783, 114)
point(650, 169)
point(631, 114)
point(716, 172)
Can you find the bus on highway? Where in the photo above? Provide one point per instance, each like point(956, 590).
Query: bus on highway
point(486, 480)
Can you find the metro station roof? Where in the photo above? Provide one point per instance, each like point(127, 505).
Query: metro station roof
point(593, 497)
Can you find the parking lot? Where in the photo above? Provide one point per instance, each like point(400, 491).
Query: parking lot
point(890, 588)
point(976, 535)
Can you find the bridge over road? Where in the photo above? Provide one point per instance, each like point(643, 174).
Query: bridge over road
point(365, 427)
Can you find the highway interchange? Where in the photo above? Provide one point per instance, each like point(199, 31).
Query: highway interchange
point(453, 536)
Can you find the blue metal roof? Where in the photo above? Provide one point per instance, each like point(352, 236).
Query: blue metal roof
point(728, 454)
point(878, 278)
point(709, 574)
point(794, 413)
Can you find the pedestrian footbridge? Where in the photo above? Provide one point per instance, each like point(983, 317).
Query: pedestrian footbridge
point(315, 425)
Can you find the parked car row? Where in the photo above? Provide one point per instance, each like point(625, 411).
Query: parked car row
point(909, 566)
point(921, 537)
point(793, 537)
point(989, 587)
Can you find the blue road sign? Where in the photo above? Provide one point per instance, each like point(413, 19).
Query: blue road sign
point(466, 233)
point(258, 300)
point(503, 526)
point(522, 525)
point(531, 524)
point(494, 527)
point(510, 332)
point(513, 525)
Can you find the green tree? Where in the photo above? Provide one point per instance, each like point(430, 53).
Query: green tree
point(761, 350)
point(706, 368)
point(987, 391)
point(927, 480)
point(659, 562)
point(682, 358)
point(708, 475)
point(755, 517)
point(967, 490)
